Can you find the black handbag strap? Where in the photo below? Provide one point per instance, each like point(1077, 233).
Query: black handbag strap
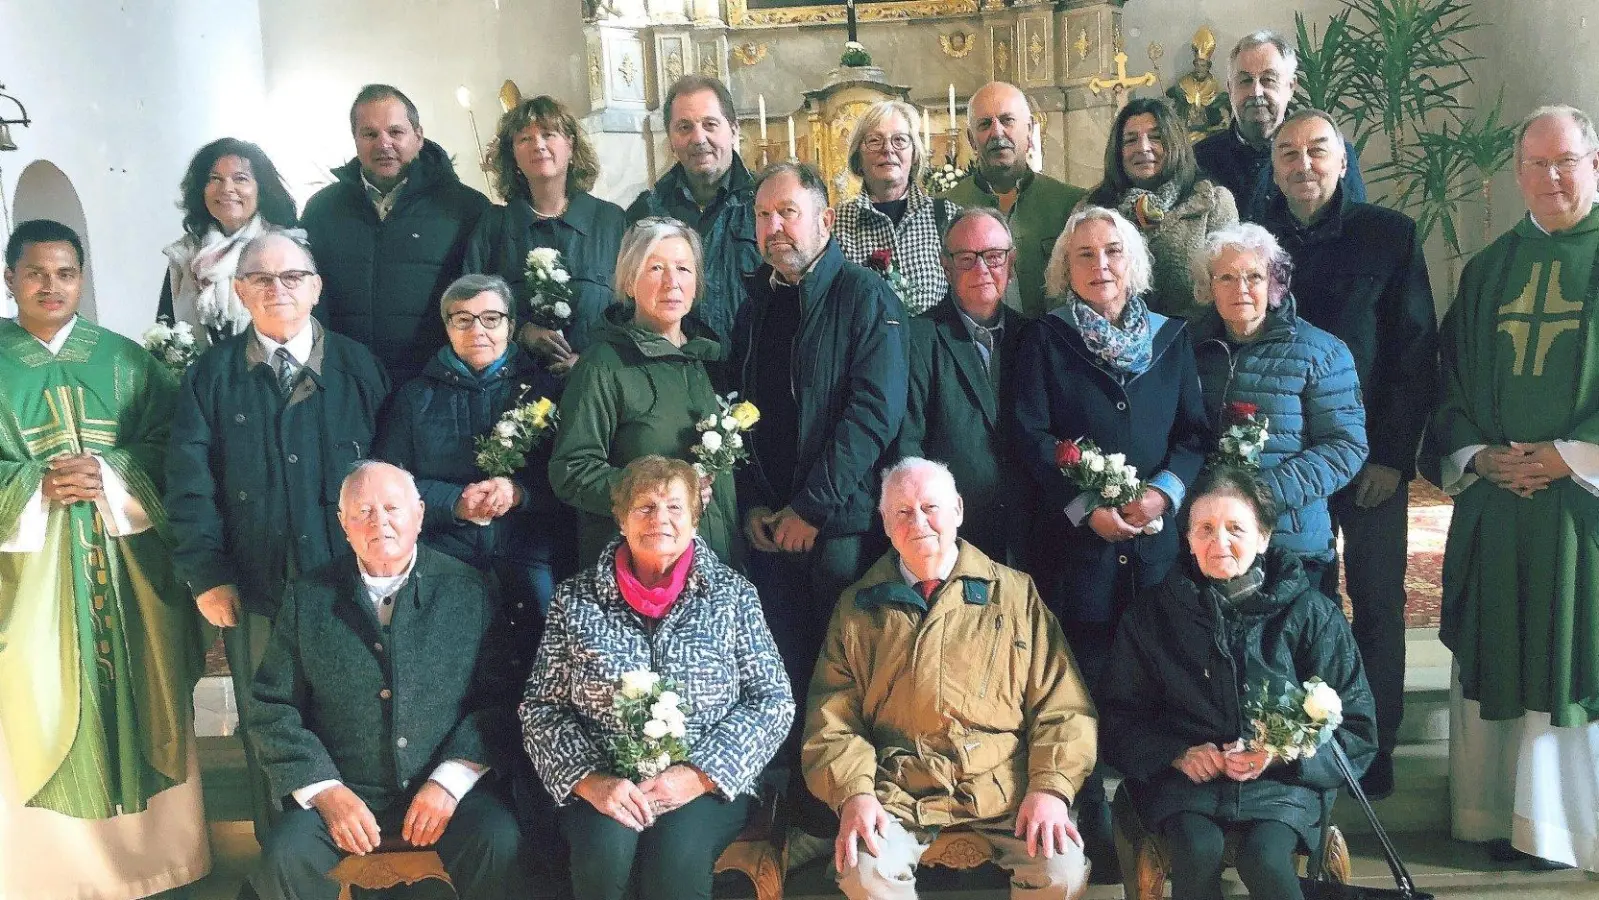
point(1407, 887)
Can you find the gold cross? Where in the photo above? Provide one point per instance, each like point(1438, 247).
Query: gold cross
point(1522, 317)
point(1121, 81)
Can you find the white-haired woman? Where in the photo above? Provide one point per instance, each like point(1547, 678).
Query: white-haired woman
point(642, 386)
point(1255, 356)
point(892, 212)
point(1102, 366)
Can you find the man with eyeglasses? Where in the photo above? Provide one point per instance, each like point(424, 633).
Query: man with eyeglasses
point(1262, 71)
point(892, 213)
point(268, 423)
point(960, 353)
point(999, 126)
point(711, 190)
point(1359, 274)
point(1518, 432)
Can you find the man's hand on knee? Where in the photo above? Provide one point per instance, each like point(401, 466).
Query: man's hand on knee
point(1046, 822)
point(430, 811)
point(862, 818)
point(351, 825)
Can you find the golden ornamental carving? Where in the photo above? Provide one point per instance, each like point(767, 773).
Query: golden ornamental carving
point(673, 66)
point(957, 44)
point(1121, 82)
point(1035, 50)
point(1082, 45)
point(1002, 60)
point(596, 75)
point(708, 66)
point(749, 53)
point(739, 15)
point(628, 70)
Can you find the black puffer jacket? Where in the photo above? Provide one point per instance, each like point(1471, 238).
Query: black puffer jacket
point(1168, 688)
point(381, 280)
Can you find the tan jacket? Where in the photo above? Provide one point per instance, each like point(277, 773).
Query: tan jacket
point(950, 715)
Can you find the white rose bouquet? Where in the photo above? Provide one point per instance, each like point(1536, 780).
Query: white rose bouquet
point(652, 712)
point(504, 450)
point(551, 289)
point(1243, 437)
point(721, 446)
point(173, 345)
point(1294, 722)
point(1107, 476)
point(942, 179)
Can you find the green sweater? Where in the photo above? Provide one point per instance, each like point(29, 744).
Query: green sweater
point(1041, 209)
point(633, 394)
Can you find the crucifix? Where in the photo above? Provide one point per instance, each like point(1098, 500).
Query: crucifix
point(849, 14)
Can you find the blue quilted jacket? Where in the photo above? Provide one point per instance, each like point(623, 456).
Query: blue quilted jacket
point(1303, 379)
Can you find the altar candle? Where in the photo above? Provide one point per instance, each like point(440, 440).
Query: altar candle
point(761, 99)
point(792, 152)
point(927, 131)
point(952, 125)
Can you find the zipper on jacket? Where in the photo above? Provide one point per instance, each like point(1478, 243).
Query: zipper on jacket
point(993, 655)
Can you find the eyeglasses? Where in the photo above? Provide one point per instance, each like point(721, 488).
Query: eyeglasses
point(462, 321)
point(1564, 165)
point(897, 141)
point(1250, 280)
point(992, 259)
point(261, 281)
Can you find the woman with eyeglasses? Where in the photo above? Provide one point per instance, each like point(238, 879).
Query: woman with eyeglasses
point(503, 526)
point(544, 167)
point(1153, 180)
point(1252, 349)
point(892, 212)
point(641, 388)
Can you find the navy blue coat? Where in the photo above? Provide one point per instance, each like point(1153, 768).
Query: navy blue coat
point(1245, 169)
point(848, 375)
point(1303, 380)
point(1157, 419)
point(253, 482)
point(430, 429)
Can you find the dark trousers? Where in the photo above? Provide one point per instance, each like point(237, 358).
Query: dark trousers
point(245, 645)
point(481, 849)
point(671, 859)
point(1265, 858)
point(1375, 548)
point(1090, 644)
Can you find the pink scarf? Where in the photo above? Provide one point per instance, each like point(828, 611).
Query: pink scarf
point(651, 602)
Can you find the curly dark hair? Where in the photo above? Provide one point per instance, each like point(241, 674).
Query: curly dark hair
point(273, 201)
point(1234, 481)
point(581, 171)
point(1180, 166)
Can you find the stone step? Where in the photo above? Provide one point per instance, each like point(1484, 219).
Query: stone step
point(1420, 801)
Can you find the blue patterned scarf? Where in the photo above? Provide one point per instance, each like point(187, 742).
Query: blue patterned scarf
point(1127, 348)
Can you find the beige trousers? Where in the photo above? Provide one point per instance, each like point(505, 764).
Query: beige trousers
point(892, 875)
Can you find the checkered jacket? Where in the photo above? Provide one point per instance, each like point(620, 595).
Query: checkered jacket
point(916, 241)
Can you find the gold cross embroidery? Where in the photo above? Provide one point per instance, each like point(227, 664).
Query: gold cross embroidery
point(1527, 324)
point(69, 430)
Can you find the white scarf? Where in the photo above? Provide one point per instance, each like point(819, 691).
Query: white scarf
point(202, 273)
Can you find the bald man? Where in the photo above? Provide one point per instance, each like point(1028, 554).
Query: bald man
point(381, 712)
point(999, 128)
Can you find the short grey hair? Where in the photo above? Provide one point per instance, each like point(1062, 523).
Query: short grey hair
point(978, 212)
point(909, 466)
point(365, 467)
point(810, 180)
point(468, 286)
point(1246, 237)
point(1262, 38)
point(1140, 271)
point(641, 240)
point(1577, 117)
point(259, 242)
point(1311, 112)
point(873, 117)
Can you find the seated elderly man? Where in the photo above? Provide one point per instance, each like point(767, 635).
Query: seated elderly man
point(945, 695)
point(378, 709)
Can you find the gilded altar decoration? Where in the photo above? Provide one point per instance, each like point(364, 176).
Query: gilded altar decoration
point(1082, 45)
point(1122, 83)
point(708, 66)
point(957, 44)
point(596, 76)
point(511, 95)
point(1002, 60)
point(628, 70)
point(766, 13)
point(673, 66)
point(749, 53)
point(1198, 96)
point(1035, 50)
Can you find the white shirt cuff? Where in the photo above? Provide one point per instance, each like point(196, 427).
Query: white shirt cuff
point(121, 512)
point(456, 777)
point(1583, 458)
point(28, 535)
point(1452, 469)
point(305, 795)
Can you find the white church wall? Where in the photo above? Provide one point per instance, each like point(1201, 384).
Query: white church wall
point(121, 96)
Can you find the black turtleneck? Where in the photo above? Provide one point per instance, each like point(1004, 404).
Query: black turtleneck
point(776, 441)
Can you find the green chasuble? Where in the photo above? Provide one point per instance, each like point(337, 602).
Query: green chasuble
point(99, 642)
point(1520, 356)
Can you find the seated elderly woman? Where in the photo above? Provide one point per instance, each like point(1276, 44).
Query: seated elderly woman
point(660, 601)
point(1235, 613)
point(500, 525)
point(1151, 177)
point(1104, 366)
point(1252, 349)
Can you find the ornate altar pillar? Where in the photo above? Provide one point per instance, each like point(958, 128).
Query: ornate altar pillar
point(831, 114)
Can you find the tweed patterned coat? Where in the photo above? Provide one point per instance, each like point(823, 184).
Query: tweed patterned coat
point(713, 643)
point(1176, 237)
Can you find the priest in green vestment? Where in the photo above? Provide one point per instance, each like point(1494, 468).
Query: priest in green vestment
point(1519, 432)
point(99, 642)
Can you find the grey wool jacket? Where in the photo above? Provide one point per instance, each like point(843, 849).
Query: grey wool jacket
point(338, 697)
